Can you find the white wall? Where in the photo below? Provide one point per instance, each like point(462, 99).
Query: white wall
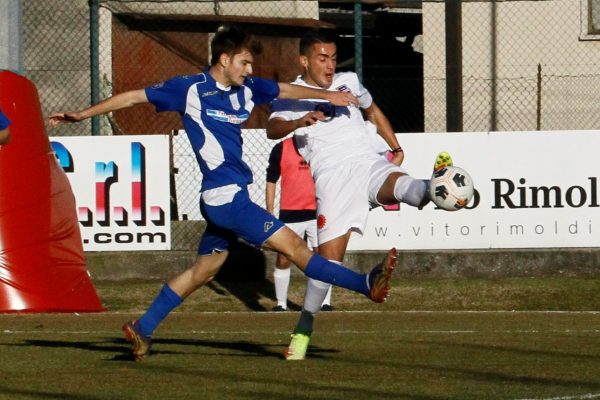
point(10, 35)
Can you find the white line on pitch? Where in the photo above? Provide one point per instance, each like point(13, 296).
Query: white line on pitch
point(109, 313)
point(354, 332)
point(577, 397)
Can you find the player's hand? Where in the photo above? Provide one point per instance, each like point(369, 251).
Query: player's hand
point(343, 99)
point(397, 158)
point(310, 118)
point(59, 118)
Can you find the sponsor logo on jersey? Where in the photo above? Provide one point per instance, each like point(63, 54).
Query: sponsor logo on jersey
point(303, 165)
point(268, 226)
point(211, 93)
point(158, 85)
point(224, 117)
point(343, 88)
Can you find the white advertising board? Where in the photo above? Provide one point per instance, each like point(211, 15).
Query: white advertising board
point(533, 190)
point(121, 187)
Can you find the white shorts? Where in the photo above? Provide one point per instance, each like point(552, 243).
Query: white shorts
point(346, 193)
point(305, 228)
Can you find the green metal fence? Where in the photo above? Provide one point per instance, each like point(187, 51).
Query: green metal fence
point(431, 65)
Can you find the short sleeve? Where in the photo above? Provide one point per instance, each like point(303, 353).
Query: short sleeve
point(263, 90)
point(169, 95)
point(364, 97)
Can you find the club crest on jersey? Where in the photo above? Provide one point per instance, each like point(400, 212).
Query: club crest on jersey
point(321, 221)
point(224, 117)
point(268, 226)
point(343, 88)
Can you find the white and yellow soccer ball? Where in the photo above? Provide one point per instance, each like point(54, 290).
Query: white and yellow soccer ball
point(451, 188)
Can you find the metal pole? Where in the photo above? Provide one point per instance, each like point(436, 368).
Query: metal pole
point(94, 62)
point(538, 109)
point(358, 50)
point(494, 71)
point(454, 107)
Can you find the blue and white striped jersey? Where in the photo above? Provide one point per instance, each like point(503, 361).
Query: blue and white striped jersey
point(212, 116)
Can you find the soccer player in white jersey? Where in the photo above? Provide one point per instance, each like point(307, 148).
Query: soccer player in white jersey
point(350, 174)
point(213, 105)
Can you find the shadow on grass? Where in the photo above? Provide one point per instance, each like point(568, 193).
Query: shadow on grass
point(34, 394)
point(510, 350)
point(250, 292)
point(240, 348)
point(244, 276)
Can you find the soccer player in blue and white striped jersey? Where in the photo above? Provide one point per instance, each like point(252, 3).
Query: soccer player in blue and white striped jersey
point(213, 104)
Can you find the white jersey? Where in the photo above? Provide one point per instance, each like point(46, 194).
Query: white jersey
point(342, 137)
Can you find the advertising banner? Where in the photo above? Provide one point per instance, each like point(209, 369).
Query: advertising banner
point(532, 190)
point(121, 187)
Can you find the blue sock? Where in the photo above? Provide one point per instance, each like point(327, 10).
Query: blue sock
point(305, 323)
point(323, 270)
point(162, 305)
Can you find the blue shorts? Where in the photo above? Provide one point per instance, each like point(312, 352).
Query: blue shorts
point(239, 219)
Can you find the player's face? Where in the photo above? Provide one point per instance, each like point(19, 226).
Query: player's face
point(320, 65)
point(238, 67)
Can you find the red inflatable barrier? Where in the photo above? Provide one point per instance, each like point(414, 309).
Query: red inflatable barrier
point(42, 265)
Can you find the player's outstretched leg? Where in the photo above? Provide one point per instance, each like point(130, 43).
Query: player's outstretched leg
point(441, 161)
point(380, 276)
point(141, 344)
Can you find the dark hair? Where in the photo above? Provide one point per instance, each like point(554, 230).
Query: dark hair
point(312, 37)
point(231, 40)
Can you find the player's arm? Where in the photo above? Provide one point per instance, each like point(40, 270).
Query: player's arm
point(273, 175)
point(385, 130)
point(270, 197)
point(291, 91)
point(116, 102)
point(4, 136)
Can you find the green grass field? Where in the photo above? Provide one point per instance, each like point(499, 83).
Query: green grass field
point(434, 339)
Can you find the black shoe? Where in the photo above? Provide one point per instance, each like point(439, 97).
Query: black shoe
point(326, 307)
point(278, 308)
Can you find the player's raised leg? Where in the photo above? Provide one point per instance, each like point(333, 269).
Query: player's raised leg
point(317, 267)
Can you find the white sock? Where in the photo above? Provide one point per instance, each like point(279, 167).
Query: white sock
point(282, 283)
point(328, 296)
point(315, 293)
point(410, 190)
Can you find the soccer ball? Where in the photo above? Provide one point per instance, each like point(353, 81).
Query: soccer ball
point(451, 188)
